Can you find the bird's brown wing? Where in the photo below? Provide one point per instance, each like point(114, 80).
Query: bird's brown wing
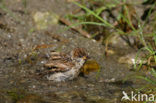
point(58, 56)
point(56, 66)
point(59, 65)
point(59, 62)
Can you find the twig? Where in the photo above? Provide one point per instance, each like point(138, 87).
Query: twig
point(78, 29)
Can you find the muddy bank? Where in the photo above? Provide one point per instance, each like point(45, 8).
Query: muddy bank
point(19, 61)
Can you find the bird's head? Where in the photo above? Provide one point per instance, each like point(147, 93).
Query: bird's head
point(79, 54)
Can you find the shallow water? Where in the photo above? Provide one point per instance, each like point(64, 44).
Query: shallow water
point(19, 61)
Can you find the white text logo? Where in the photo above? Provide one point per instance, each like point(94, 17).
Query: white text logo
point(138, 96)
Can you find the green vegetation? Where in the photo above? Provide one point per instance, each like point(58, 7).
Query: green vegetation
point(126, 23)
point(148, 79)
point(16, 94)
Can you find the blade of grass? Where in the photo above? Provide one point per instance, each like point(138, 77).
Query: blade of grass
point(136, 58)
point(98, 17)
point(88, 23)
point(149, 13)
point(99, 10)
point(153, 73)
point(147, 79)
point(94, 14)
point(140, 65)
point(127, 19)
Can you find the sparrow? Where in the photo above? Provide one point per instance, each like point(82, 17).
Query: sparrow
point(62, 67)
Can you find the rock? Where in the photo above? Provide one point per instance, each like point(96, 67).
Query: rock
point(44, 19)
